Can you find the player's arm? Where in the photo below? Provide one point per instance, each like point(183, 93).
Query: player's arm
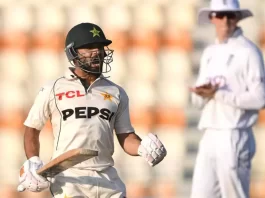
point(31, 142)
point(254, 97)
point(126, 136)
point(196, 99)
point(150, 147)
point(130, 142)
point(36, 119)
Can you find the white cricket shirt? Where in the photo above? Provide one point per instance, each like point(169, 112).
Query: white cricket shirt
point(238, 67)
point(82, 118)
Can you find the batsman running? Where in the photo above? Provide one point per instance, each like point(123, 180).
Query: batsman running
point(230, 89)
point(84, 108)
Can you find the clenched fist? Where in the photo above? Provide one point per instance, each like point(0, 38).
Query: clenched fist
point(152, 149)
point(28, 177)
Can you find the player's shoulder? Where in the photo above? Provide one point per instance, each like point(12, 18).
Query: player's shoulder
point(207, 52)
point(115, 86)
point(248, 45)
point(49, 85)
point(209, 49)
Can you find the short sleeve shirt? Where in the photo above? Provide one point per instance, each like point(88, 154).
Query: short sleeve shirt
point(82, 118)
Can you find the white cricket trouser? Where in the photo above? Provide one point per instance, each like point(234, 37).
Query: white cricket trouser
point(223, 164)
point(76, 183)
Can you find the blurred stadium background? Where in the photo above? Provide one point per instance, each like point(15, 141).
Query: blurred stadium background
point(157, 44)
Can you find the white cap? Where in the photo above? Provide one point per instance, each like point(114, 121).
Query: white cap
point(222, 6)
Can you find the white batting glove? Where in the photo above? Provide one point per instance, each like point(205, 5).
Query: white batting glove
point(152, 149)
point(29, 179)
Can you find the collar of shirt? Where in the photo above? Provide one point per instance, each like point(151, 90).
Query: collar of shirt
point(69, 75)
point(238, 32)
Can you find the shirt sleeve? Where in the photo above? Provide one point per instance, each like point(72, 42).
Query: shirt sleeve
point(40, 111)
point(122, 121)
point(197, 100)
point(254, 97)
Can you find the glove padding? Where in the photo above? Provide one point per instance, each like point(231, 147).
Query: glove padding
point(152, 149)
point(29, 179)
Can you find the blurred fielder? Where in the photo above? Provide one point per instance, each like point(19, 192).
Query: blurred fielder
point(230, 90)
point(84, 108)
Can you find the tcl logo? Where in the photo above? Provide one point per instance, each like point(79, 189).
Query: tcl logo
point(87, 112)
point(69, 94)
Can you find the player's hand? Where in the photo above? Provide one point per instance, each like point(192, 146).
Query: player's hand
point(206, 91)
point(152, 149)
point(29, 179)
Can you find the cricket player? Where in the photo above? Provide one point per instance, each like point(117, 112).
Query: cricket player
point(230, 90)
point(84, 108)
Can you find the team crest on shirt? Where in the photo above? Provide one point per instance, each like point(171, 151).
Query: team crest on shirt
point(107, 96)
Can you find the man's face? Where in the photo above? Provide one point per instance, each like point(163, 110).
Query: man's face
point(91, 58)
point(225, 22)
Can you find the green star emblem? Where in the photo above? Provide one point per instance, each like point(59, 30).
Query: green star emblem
point(95, 32)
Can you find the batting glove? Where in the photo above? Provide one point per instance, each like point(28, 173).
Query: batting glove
point(29, 179)
point(152, 149)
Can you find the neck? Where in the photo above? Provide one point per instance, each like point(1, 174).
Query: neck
point(88, 77)
point(222, 38)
